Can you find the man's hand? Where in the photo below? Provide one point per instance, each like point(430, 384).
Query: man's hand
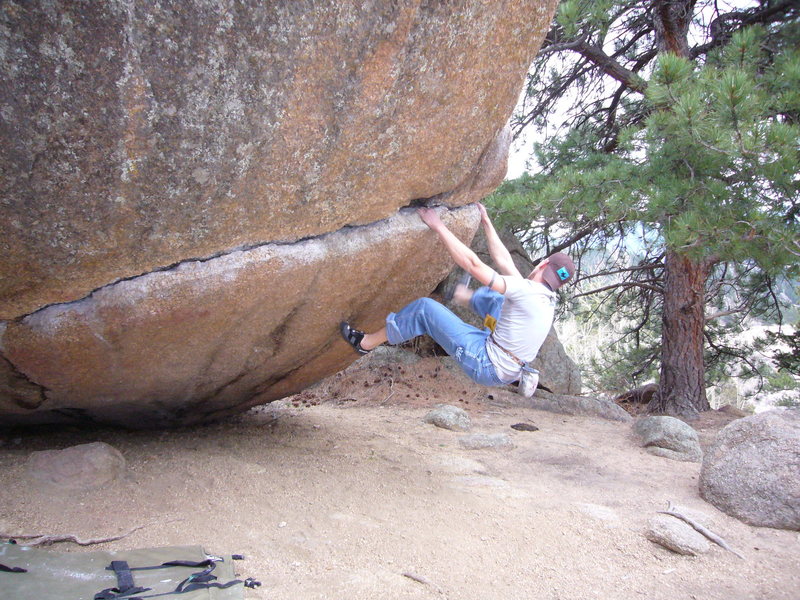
point(430, 217)
point(484, 215)
point(497, 250)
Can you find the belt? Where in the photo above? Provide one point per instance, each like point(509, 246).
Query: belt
point(508, 352)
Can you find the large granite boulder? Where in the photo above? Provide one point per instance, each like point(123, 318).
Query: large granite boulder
point(210, 338)
point(193, 194)
point(752, 471)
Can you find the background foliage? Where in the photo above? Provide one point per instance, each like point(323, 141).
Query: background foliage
point(649, 151)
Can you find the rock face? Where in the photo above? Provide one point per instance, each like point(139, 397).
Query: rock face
point(143, 134)
point(182, 180)
point(753, 470)
point(210, 338)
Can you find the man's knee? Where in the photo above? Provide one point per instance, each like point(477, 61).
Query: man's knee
point(423, 303)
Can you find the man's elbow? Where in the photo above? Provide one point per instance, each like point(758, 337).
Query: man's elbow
point(473, 264)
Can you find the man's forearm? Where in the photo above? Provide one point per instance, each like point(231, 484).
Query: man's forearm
point(497, 250)
point(463, 256)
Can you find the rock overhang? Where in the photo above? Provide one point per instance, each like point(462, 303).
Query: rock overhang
point(206, 339)
point(155, 150)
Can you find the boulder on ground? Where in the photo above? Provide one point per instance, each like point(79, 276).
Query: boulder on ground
point(752, 472)
point(194, 194)
point(82, 467)
point(211, 338)
point(669, 437)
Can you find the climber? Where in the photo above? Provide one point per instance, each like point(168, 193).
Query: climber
point(517, 311)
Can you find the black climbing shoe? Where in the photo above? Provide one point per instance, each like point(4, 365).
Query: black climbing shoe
point(352, 336)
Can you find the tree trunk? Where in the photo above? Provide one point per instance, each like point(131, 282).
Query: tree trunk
point(682, 390)
point(671, 21)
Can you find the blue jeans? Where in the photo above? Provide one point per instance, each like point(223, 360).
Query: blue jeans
point(465, 343)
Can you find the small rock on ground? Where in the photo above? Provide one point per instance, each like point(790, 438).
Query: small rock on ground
point(479, 441)
point(449, 417)
point(669, 437)
point(676, 535)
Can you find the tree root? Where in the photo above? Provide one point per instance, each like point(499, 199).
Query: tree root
point(423, 581)
point(46, 540)
point(700, 529)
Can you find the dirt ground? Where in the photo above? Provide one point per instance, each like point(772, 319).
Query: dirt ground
point(343, 492)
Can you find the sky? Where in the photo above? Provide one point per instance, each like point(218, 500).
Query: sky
point(522, 147)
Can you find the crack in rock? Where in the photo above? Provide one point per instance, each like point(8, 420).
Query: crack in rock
point(244, 328)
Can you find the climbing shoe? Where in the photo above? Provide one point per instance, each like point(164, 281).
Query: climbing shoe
point(352, 336)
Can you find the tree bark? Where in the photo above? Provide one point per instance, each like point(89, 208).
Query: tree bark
point(671, 21)
point(682, 390)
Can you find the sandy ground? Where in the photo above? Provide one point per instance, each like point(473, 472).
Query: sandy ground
point(344, 491)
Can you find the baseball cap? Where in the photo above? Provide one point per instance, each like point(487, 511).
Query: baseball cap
point(559, 270)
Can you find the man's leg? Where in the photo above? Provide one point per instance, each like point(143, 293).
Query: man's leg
point(415, 319)
point(427, 317)
point(370, 341)
point(465, 343)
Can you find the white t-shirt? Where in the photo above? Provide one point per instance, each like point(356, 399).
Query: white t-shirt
point(525, 321)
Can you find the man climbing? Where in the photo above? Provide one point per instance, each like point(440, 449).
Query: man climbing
point(518, 311)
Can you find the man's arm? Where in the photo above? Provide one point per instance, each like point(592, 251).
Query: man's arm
point(497, 250)
point(461, 253)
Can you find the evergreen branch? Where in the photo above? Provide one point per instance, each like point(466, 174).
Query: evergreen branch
point(625, 284)
point(566, 244)
point(775, 302)
point(742, 356)
point(39, 539)
point(611, 67)
point(721, 31)
point(635, 269)
point(550, 46)
point(644, 32)
point(544, 105)
point(724, 313)
point(700, 529)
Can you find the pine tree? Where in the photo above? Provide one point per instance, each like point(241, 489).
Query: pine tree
point(695, 147)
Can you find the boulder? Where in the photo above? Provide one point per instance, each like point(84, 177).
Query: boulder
point(676, 535)
point(183, 180)
point(558, 373)
point(752, 472)
point(669, 437)
point(82, 467)
point(145, 134)
point(207, 339)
